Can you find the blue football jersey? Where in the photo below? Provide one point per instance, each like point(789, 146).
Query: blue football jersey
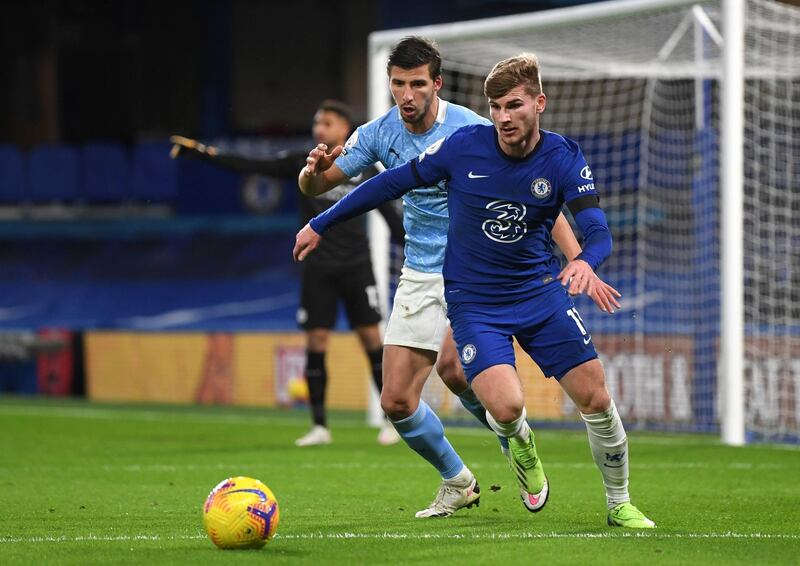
point(502, 210)
point(388, 141)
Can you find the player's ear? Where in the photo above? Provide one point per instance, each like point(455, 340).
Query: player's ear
point(541, 102)
point(438, 83)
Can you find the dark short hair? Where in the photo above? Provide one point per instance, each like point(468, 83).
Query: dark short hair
point(337, 107)
point(413, 51)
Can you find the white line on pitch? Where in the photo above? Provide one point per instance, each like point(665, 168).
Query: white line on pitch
point(532, 535)
point(100, 538)
point(414, 536)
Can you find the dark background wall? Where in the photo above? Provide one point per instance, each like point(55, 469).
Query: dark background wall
point(81, 70)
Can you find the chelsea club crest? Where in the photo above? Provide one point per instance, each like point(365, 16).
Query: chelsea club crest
point(540, 188)
point(468, 353)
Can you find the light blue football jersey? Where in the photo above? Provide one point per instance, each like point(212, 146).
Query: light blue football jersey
point(386, 140)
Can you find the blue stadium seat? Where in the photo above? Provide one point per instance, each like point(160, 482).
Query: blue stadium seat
point(155, 175)
point(12, 175)
point(54, 173)
point(106, 173)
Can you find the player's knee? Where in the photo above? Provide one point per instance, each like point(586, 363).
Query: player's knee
point(396, 407)
point(317, 339)
point(507, 412)
point(598, 400)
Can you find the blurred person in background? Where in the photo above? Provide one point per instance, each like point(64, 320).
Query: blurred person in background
point(342, 270)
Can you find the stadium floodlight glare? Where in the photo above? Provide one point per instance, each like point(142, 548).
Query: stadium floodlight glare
point(688, 114)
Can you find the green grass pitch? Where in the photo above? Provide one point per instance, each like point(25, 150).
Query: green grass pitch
point(102, 484)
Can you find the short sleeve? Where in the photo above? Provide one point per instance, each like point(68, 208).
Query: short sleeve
point(358, 153)
point(577, 183)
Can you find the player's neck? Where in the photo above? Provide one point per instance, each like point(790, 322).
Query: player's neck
point(522, 149)
point(427, 121)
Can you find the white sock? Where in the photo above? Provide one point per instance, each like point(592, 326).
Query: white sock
point(609, 446)
point(518, 429)
point(462, 478)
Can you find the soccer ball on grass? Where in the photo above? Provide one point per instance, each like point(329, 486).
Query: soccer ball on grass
point(240, 512)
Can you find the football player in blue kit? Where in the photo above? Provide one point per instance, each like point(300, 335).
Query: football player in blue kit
point(417, 329)
point(506, 185)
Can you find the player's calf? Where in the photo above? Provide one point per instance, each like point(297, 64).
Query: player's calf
point(471, 403)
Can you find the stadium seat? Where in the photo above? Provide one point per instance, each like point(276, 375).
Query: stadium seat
point(54, 173)
point(106, 173)
point(12, 175)
point(155, 178)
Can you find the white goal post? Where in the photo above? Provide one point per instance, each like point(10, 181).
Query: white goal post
point(689, 115)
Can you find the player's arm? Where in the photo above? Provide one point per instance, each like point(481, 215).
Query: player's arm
point(605, 296)
point(326, 169)
point(579, 272)
point(391, 211)
point(189, 148)
point(283, 165)
point(564, 237)
point(320, 174)
point(386, 186)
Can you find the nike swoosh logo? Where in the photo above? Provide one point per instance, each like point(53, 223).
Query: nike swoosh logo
point(472, 175)
point(587, 340)
point(608, 466)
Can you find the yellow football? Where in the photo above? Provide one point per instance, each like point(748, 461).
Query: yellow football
point(240, 512)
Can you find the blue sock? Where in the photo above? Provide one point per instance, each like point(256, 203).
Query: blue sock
point(424, 433)
point(471, 403)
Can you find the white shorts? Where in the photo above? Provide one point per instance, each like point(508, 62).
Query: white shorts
point(419, 314)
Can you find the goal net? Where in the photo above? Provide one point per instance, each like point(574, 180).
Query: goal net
point(637, 85)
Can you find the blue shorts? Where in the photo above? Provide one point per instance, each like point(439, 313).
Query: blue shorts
point(547, 327)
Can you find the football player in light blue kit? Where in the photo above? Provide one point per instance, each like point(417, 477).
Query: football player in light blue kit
point(417, 328)
point(506, 187)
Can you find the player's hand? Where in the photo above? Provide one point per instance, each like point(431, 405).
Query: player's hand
point(305, 242)
point(605, 296)
point(579, 276)
point(181, 145)
point(318, 160)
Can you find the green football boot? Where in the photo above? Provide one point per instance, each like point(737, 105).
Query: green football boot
point(628, 516)
point(527, 466)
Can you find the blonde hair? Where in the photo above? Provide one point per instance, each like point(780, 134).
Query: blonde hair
point(522, 69)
